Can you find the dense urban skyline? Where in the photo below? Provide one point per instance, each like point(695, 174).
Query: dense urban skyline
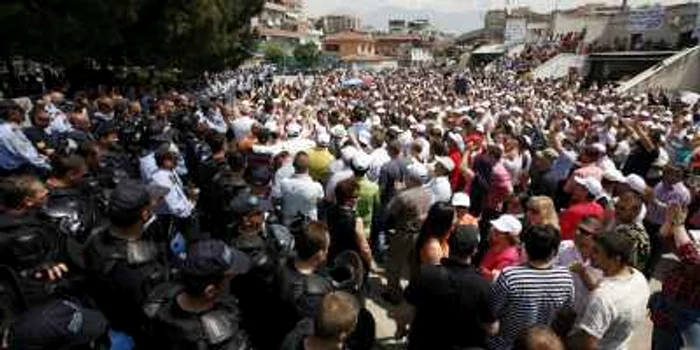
point(450, 15)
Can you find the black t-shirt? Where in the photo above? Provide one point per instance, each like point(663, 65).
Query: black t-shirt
point(341, 226)
point(640, 160)
point(451, 306)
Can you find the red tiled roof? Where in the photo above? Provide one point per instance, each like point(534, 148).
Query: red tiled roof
point(399, 37)
point(348, 36)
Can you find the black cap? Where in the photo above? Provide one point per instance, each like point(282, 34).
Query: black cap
point(134, 195)
point(55, 325)
point(245, 203)
point(259, 176)
point(106, 127)
point(464, 240)
point(214, 257)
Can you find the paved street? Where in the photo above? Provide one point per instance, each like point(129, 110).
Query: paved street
point(386, 326)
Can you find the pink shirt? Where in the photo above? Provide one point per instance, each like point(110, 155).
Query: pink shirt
point(494, 261)
point(501, 187)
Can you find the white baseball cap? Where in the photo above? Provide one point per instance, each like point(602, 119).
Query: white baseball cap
point(348, 153)
point(446, 163)
point(323, 139)
point(591, 184)
point(361, 161)
point(614, 175)
point(417, 171)
point(461, 199)
point(507, 223)
point(636, 183)
point(293, 129)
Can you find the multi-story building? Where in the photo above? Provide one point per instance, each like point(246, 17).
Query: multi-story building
point(406, 49)
point(333, 24)
point(620, 28)
point(398, 26)
point(284, 22)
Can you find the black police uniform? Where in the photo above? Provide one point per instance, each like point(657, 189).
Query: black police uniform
point(120, 276)
point(74, 211)
point(28, 244)
point(174, 328)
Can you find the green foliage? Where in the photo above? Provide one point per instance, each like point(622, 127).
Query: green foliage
point(308, 55)
point(192, 35)
point(274, 53)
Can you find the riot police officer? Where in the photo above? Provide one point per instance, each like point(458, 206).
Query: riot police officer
point(199, 314)
point(58, 324)
point(31, 270)
point(70, 204)
point(123, 266)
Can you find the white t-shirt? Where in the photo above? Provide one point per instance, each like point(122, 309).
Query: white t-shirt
point(567, 256)
point(615, 309)
point(300, 194)
point(441, 189)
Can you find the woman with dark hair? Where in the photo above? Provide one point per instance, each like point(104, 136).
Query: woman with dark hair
point(482, 167)
point(431, 246)
point(345, 227)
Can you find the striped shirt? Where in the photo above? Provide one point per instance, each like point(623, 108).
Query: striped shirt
point(523, 296)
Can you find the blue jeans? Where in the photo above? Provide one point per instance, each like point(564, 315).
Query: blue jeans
point(686, 326)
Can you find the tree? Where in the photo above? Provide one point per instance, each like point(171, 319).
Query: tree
point(274, 53)
point(192, 35)
point(307, 55)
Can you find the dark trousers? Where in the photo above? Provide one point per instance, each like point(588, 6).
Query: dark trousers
point(656, 247)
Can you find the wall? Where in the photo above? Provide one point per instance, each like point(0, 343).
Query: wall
point(595, 25)
point(375, 65)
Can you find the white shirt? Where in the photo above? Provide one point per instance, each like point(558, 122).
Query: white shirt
point(285, 172)
point(300, 194)
point(615, 309)
point(333, 182)
point(379, 157)
point(297, 144)
point(568, 255)
point(176, 202)
point(241, 127)
point(441, 189)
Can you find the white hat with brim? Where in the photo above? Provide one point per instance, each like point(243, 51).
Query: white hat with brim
point(461, 199)
point(636, 183)
point(507, 223)
point(445, 162)
point(591, 184)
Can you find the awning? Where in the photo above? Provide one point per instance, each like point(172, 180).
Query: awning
point(495, 49)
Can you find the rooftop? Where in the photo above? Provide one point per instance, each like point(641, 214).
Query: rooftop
point(348, 35)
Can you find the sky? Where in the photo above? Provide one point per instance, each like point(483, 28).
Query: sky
point(450, 15)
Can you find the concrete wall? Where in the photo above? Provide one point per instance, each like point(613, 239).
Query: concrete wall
point(375, 66)
point(680, 72)
point(595, 25)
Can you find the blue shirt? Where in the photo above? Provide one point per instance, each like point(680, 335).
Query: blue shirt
point(16, 150)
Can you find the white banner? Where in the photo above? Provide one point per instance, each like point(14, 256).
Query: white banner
point(646, 18)
point(516, 30)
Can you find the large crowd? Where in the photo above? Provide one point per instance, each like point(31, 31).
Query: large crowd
point(484, 210)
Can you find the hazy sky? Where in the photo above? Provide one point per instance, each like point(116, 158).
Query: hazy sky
point(453, 15)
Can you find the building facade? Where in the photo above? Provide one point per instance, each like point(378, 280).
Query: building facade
point(283, 22)
point(333, 24)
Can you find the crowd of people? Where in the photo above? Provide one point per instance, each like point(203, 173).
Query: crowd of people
point(503, 213)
